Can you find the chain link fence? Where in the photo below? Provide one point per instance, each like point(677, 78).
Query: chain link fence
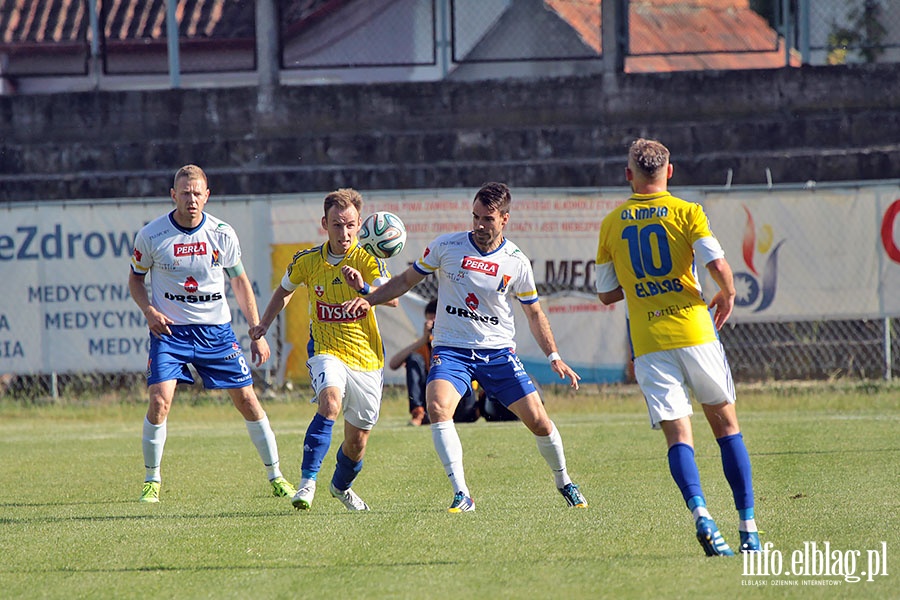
point(852, 31)
point(692, 27)
point(212, 36)
point(353, 34)
point(530, 30)
point(757, 352)
point(819, 350)
point(125, 37)
point(811, 350)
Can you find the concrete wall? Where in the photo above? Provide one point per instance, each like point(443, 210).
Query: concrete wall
point(814, 123)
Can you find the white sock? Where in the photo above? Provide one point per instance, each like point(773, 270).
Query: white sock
point(747, 525)
point(153, 441)
point(264, 439)
point(551, 448)
point(449, 449)
point(700, 511)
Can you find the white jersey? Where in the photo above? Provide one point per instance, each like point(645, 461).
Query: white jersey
point(474, 290)
point(188, 280)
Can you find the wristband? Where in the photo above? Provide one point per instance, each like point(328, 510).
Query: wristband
point(554, 356)
point(365, 289)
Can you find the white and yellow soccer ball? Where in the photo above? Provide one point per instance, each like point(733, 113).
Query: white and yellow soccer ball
point(382, 234)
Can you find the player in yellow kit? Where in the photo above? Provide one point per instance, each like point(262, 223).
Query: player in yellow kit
point(646, 254)
point(346, 355)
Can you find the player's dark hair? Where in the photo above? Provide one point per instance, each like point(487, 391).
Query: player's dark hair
point(343, 198)
point(495, 196)
point(431, 307)
point(649, 156)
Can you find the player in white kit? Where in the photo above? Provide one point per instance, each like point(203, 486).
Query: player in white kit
point(189, 253)
point(479, 272)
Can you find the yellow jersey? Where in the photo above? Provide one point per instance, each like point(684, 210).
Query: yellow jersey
point(354, 340)
point(649, 239)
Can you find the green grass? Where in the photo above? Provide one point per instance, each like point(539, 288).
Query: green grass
point(825, 463)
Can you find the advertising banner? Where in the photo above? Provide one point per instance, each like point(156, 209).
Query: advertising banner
point(797, 255)
point(65, 304)
point(557, 230)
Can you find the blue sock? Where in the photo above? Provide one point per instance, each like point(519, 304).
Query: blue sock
point(315, 446)
point(345, 471)
point(684, 471)
point(736, 464)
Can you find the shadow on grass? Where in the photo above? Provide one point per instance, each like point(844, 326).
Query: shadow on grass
point(213, 568)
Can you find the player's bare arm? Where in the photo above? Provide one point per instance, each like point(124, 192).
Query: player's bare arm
point(543, 335)
point(156, 321)
point(280, 299)
point(612, 297)
point(605, 279)
point(723, 301)
point(400, 357)
point(357, 282)
point(243, 293)
point(394, 288)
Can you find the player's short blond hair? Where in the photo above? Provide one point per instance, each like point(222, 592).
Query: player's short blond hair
point(190, 172)
point(648, 156)
point(343, 198)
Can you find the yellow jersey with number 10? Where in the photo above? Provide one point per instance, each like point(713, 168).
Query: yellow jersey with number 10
point(650, 241)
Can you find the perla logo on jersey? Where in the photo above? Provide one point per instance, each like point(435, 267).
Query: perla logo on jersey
point(192, 249)
point(471, 263)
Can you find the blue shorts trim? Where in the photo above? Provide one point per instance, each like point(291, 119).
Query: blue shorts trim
point(499, 372)
point(213, 350)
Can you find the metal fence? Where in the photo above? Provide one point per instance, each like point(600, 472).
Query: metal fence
point(45, 38)
point(526, 30)
point(854, 31)
point(821, 350)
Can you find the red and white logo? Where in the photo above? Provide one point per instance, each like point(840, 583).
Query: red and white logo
point(192, 249)
point(190, 285)
point(333, 313)
point(137, 255)
point(320, 291)
point(473, 263)
point(472, 302)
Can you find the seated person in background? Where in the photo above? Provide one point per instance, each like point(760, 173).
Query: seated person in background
point(493, 410)
point(417, 359)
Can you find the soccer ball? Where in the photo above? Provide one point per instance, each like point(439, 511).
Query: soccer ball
point(382, 234)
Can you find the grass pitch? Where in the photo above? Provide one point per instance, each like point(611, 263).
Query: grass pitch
point(825, 465)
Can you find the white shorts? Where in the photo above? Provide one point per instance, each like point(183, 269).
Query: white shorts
point(360, 390)
point(665, 378)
